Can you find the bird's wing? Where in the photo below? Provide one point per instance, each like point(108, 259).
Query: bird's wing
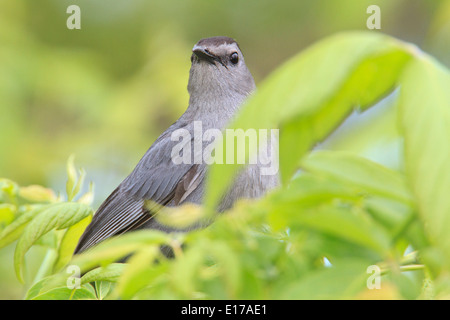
point(155, 182)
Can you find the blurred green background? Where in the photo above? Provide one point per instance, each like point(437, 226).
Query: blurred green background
point(105, 92)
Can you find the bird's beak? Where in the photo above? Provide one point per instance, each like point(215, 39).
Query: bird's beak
point(204, 54)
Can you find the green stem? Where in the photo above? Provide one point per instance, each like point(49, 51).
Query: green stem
point(410, 258)
point(46, 265)
point(410, 267)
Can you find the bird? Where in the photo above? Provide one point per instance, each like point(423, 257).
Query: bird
point(219, 83)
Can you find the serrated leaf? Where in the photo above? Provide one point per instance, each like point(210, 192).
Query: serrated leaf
point(56, 216)
point(109, 273)
point(13, 231)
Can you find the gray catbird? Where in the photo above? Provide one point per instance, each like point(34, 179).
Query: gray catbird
point(219, 82)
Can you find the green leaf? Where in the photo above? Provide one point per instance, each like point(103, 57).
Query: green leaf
point(88, 197)
point(139, 272)
point(343, 223)
point(102, 289)
point(359, 172)
point(56, 287)
point(327, 206)
point(185, 270)
point(367, 82)
point(305, 192)
point(399, 220)
point(115, 248)
point(7, 214)
point(69, 242)
point(13, 231)
point(299, 129)
point(71, 177)
point(343, 281)
point(74, 181)
point(64, 293)
point(36, 193)
point(40, 286)
point(8, 191)
point(313, 92)
point(109, 273)
point(424, 111)
point(228, 264)
point(56, 216)
point(46, 284)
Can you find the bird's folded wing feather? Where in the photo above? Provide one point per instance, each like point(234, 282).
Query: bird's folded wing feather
point(155, 178)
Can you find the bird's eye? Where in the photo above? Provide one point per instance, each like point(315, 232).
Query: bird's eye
point(234, 58)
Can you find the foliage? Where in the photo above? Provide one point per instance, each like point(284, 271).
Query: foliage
point(316, 236)
point(108, 90)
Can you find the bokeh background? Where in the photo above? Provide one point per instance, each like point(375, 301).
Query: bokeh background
point(104, 93)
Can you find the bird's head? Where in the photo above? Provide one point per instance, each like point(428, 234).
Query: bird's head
point(218, 70)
